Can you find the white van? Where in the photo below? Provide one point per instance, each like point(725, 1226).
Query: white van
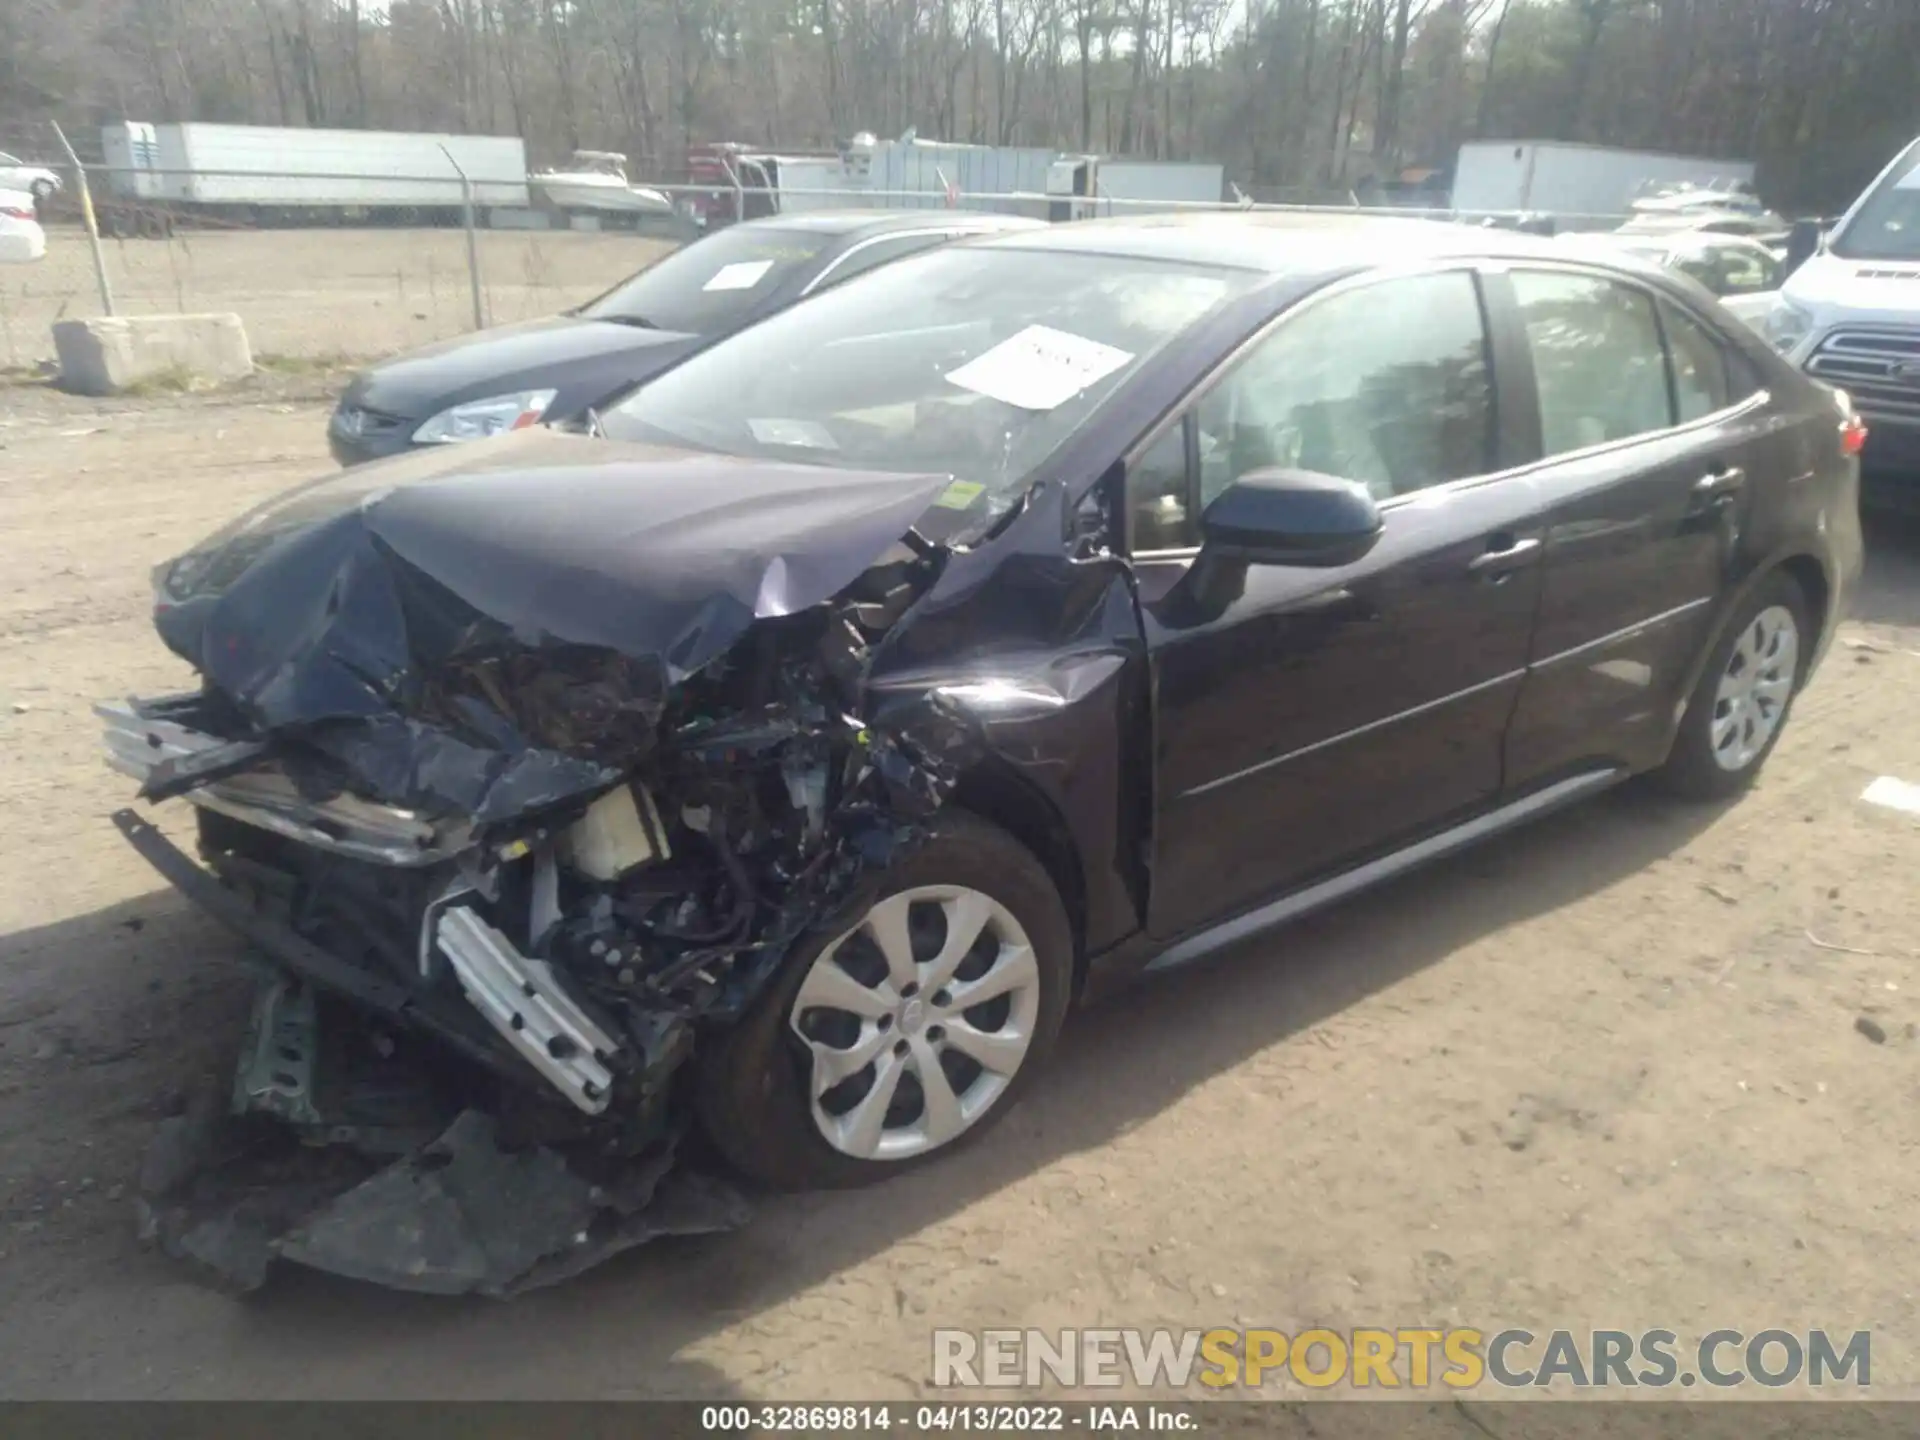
point(1851, 316)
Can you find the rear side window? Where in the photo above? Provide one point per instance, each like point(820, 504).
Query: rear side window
point(1600, 368)
point(1700, 378)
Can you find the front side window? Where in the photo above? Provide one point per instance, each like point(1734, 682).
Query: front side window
point(1387, 385)
point(1160, 504)
point(970, 362)
point(1599, 367)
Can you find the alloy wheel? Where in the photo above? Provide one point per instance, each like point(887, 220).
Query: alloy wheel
point(916, 1021)
point(1754, 688)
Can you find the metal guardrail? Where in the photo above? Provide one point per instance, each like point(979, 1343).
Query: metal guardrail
point(855, 196)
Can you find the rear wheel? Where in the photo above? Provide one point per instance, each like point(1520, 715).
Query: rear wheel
point(1739, 708)
point(42, 191)
point(903, 1034)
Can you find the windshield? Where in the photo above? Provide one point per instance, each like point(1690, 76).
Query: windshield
point(702, 287)
point(970, 362)
point(1887, 225)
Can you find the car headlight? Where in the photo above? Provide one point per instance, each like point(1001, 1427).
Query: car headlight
point(1786, 325)
point(477, 419)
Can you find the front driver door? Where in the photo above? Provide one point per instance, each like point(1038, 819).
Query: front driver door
point(1322, 714)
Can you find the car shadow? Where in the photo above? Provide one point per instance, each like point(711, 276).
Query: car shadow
point(1889, 589)
point(1175, 1033)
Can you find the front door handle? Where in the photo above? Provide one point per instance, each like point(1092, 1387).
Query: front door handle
point(1510, 556)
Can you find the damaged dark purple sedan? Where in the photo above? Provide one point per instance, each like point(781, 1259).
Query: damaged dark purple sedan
point(787, 758)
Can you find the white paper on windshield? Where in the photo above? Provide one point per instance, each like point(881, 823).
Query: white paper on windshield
point(808, 434)
point(742, 275)
point(1039, 369)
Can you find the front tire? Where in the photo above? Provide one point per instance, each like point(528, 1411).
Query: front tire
point(1739, 709)
point(888, 1041)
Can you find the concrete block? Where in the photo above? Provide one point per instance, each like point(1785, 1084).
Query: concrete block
point(109, 355)
point(502, 218)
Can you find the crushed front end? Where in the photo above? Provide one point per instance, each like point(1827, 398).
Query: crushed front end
point(510, 810)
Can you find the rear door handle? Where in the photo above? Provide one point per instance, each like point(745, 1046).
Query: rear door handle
point(1509, 557)
point(1720, 485)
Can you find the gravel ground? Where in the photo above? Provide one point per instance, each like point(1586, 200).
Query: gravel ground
point(1602, 1073)
point(292, 288)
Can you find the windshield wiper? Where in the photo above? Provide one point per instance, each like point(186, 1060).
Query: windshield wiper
point(638, 322)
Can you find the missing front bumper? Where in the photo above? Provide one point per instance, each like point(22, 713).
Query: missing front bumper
point(150, 740)
point(364, 1160)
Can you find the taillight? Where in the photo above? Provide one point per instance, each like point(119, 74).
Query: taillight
point(13, 214)
point(1853, 430)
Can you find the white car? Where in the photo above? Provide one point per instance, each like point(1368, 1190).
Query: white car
point(21, 238)
point(35, 180)
point(1745, 274)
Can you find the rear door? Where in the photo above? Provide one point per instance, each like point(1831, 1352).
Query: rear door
point(1649, 430)
point(1315, 715)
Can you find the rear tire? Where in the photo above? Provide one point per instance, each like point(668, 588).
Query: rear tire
point(1737, 712)
point(781, 1094)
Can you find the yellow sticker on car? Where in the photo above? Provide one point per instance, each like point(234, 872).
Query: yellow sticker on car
point(959, 495)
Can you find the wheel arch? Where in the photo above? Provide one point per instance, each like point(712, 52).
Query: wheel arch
point(993, 791)
point(1809, 573)
point(1811, 576)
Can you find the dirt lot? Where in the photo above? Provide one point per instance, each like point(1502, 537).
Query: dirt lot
point(292, 288)
point(1602, 1073)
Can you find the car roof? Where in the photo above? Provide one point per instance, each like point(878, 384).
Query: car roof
point(1272, 242)
point(882, 222)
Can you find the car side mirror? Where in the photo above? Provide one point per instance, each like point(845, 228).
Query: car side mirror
point(1290, 517)
point(1803, 243)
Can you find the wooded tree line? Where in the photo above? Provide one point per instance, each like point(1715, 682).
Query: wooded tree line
point(1295, 97)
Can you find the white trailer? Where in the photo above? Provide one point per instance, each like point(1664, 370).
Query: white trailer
point(1585, 186)
point(279, 168)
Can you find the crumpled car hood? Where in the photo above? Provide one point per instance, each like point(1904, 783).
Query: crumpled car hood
point(331, 602)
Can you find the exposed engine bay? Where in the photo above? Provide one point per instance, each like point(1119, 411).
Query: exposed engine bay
point(504, 833)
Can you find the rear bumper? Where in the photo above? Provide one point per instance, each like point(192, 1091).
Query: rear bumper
point(23, 247)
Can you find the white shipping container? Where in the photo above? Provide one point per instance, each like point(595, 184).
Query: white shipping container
point(1146, 180)
point(1590, 182)
point(285, 166)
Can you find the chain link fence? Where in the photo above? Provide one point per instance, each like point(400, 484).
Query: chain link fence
point(327, 283)
point(313, 294)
